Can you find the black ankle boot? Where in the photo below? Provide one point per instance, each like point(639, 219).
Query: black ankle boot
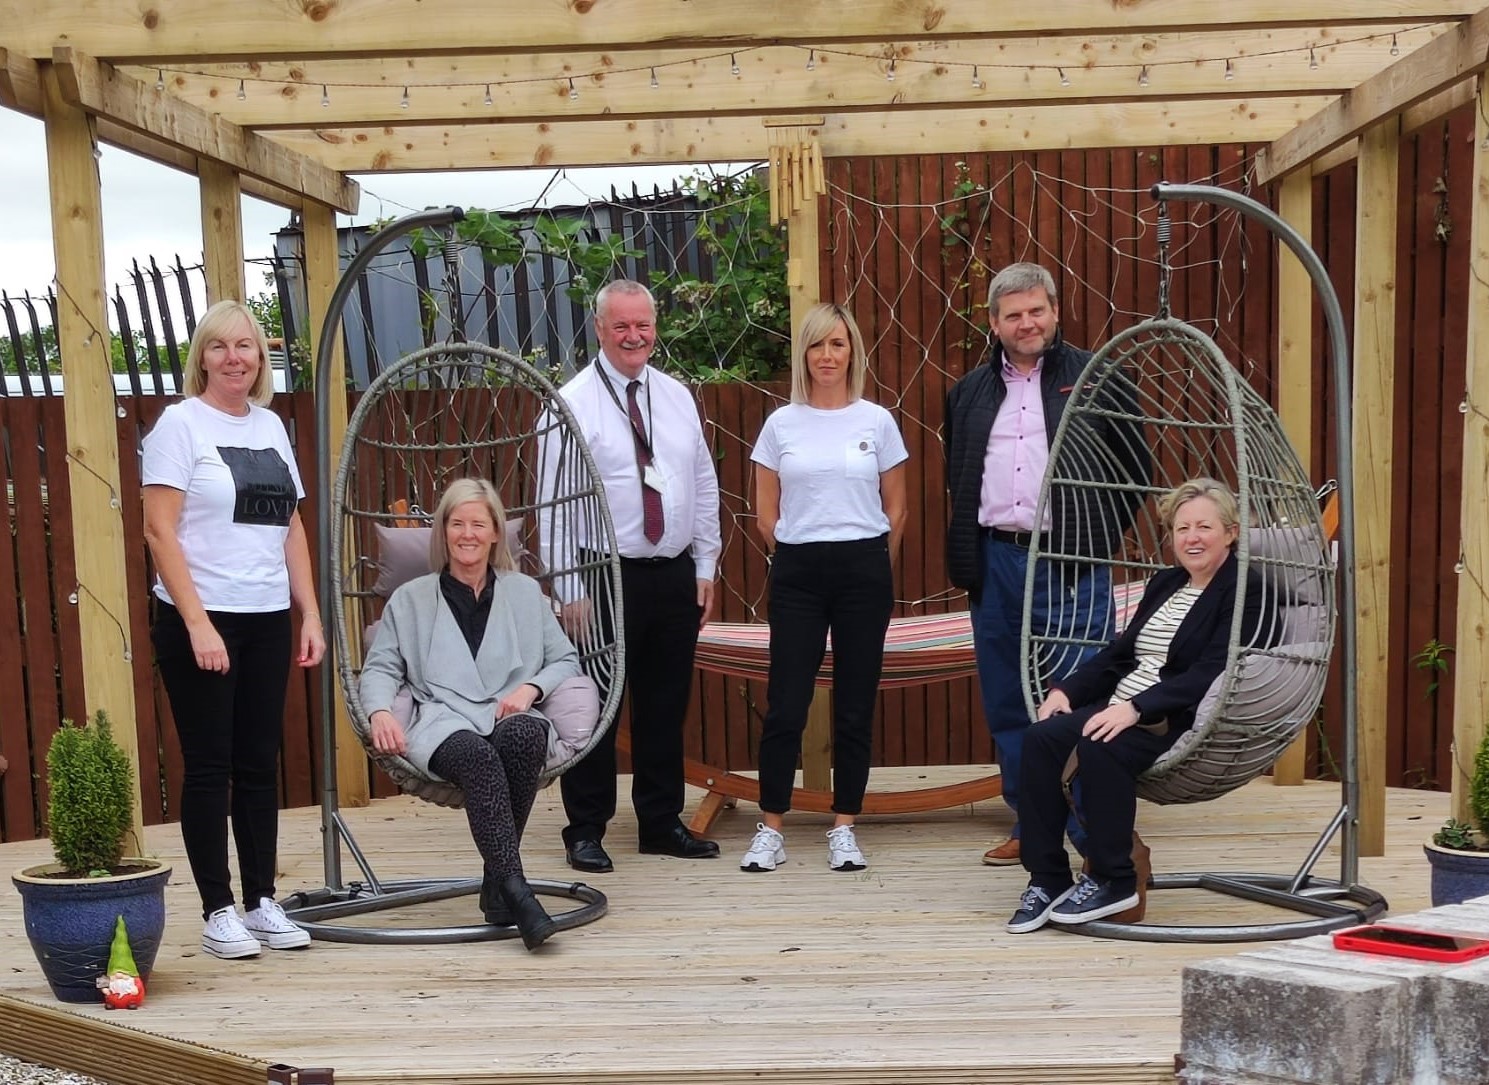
point(492, 909)
point(535, 925)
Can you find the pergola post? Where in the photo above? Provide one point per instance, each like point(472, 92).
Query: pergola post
point(796, 183)
point(1295, 374)
point(222, 230)
point(1471, 653)
point(1374, 402)
point(92, 437)
point(322, 268)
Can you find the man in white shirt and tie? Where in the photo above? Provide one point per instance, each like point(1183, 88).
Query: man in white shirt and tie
point(645, 434)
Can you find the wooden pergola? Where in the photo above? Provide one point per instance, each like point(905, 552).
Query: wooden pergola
point(282, 101)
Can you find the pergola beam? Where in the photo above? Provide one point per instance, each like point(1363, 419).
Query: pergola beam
point(1418, 116)
point(20, 89)
point(601, 143)
point(102, 91)
point(261, 29)
point(1437, 66)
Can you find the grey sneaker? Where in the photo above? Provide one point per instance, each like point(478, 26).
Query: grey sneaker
point(842, 849)
point(225, 936)
point(767, 850)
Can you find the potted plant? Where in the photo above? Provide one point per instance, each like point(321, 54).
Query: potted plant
point(72, 906)
point(1459, 852)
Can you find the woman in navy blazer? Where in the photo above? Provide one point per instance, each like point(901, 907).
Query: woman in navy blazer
point(1121, 710)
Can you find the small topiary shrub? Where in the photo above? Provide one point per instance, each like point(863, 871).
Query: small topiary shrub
point(92, 797)
point(1471, 835)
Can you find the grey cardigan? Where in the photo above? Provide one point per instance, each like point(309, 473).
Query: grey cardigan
point(419, 645)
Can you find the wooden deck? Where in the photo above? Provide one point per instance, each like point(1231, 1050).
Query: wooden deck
point(901, 973)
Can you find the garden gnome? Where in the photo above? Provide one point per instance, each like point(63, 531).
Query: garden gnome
point(121, 986)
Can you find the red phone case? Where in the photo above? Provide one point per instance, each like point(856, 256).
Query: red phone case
point(1470, 945)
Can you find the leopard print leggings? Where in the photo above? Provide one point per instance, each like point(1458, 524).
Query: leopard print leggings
point(499, 775)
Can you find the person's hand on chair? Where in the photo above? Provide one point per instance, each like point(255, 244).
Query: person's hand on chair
point(1056, 704)
point(387, 733)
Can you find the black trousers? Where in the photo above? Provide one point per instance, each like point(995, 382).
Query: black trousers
point(1108, 788)
point(231, 727)
point(845, 588)
point(661, 625)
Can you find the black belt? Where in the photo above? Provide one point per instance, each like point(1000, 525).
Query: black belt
point(653, 561)
point(1022, 539)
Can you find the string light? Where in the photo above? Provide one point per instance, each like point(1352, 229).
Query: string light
point(655, 82)
point(160, 79)
point(1395, 46)
point(889, 75)
point(486, 101)
point(1064, 79)
point(733, 65)
point(1142, 77)
point(1312, 60)
point(325, 97)
point(403, 102)
point(573, 90)
point(1230, 72)
point(811, 60)
point(976, 79)
point(242, 91)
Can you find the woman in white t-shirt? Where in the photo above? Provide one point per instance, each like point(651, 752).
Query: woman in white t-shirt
point(830, 506)
point(221, 516)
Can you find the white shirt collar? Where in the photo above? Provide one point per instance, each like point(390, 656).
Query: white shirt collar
point(617, 379)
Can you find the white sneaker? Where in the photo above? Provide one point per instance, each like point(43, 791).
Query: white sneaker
point(767, 850)
point(271, 926)
point(225, 936)
point(842, 849)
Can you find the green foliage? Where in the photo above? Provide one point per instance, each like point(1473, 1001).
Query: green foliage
point(92, 799)
point(265, 309)
point(1470, 836)
point(1457, 835)
point(1433, 660)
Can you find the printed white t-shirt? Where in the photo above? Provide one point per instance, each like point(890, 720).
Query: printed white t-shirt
point(242, 486)
point(829, 463)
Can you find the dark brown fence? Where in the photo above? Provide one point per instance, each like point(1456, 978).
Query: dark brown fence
point(908, 242)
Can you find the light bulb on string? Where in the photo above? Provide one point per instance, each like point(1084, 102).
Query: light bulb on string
point(325, 97)
point(889, 75)
point(733, 65)
point(1395, 46)
point(1064, 79)
point(160, 79)
point(811, 60)
point(1142, 76)
point(1312, 60)
point(403, 102)
point(655, 82)
point(1230, 71)
point(486, 101)
point(976, 79)
point(573, 90)
point(242, 91)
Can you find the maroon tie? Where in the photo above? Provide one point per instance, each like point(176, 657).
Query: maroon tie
point(651, 500)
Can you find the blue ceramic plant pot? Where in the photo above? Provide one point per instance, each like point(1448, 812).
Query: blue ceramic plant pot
point(70, 922)
point(1457, 875)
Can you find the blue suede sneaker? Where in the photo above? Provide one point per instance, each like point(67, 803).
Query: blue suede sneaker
point(1034, 909)
point(1090, 900)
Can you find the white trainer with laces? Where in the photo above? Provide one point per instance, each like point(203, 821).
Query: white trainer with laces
point(767, 850)
point(273, 928)
point(225, 936)
point(842, 849)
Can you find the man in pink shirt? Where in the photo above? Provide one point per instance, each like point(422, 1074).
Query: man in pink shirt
point(1000, 421)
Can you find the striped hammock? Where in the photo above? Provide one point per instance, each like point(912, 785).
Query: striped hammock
point(917, 650)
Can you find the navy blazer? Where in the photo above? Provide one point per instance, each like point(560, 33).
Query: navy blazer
point(1196, 657)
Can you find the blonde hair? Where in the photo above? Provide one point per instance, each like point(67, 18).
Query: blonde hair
point(1184, 492)
point(456, 494)
point(215, 324)
point(816, 326)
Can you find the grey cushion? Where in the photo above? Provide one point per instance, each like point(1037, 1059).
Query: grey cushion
point(403, 553)
point(1302, 580)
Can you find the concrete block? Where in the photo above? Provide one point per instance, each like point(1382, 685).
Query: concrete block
point(1459, 1023)
point(1297, 1022)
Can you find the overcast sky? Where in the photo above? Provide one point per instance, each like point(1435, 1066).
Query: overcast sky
point(153, 210)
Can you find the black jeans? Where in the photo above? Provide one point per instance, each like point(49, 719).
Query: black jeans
point(231, 727)
point(845, 588)
point(1108, 793)
point(661, 615)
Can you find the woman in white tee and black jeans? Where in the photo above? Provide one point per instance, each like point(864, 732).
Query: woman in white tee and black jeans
point(221, 516)
point(830, 502)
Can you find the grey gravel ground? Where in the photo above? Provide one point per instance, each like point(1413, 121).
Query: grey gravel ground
point(16, 1072)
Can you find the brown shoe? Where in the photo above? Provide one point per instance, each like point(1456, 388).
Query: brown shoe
point(1142, 865)
point(1005, 854)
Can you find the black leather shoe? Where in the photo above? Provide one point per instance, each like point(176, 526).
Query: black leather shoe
point(679, 843)
point(588, 856)
point(534, 924)
point(493, 908)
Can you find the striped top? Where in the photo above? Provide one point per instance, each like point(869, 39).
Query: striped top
point(1150, 646)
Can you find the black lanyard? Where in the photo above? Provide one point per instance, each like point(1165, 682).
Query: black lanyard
point(641, 438)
